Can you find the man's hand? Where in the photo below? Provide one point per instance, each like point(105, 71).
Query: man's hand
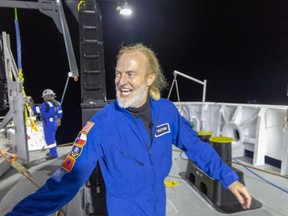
point(58, 122)
point(29, 100)
point(241, 193)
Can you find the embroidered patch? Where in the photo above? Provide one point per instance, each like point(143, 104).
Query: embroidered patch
point(68, 163)
point(81, 139)
point(87, 127)
point(76, 151)
point(162, 129)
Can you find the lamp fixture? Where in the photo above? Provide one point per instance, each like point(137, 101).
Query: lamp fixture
point(125, 9)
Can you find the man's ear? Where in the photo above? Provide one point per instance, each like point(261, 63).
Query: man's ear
point(150, 79)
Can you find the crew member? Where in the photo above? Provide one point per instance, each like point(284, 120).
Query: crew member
point(132, 139)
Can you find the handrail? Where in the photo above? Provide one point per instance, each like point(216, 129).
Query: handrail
point(175, 73)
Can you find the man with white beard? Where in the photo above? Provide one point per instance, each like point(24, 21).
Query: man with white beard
point(132, 139)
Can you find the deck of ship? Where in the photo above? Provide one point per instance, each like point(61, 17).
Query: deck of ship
point(182, 200)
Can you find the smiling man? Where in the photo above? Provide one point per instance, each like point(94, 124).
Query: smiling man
point(131, 80)
point(131, 139)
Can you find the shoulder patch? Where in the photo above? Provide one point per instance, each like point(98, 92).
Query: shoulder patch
point(68, 163)
point(87, 127)
point(76, 151)
point(81, 139)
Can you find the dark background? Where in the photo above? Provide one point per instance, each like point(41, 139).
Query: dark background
point(239, 46)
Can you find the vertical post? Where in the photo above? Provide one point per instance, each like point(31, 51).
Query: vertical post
point(204, 91)
point(16, 102)
point(284, 158)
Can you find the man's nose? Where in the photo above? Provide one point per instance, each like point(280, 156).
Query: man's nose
point(123, 80)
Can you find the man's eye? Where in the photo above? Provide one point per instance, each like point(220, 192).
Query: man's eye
point(131, 74)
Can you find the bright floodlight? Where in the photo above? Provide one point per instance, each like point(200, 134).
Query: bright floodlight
point(126, 10)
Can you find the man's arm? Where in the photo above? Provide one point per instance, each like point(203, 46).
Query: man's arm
point(209, 161)
point(64, 184)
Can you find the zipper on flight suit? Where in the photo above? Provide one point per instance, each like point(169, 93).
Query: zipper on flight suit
point(152, 134)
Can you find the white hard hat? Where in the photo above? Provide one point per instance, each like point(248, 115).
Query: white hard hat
point(47, 92)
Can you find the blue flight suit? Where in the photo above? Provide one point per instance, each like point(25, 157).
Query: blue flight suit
point(50, 111)
point(133, 166)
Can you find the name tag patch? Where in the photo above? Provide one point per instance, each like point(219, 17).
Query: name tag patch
point(162, 129)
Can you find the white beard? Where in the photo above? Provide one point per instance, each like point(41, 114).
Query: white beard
point(139, 95)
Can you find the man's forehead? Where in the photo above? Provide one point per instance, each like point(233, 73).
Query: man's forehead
point(131, 60)
point(133, 54)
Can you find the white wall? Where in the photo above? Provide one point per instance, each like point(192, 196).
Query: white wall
point(257, 128)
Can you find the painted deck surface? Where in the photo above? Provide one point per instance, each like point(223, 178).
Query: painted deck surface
point(182, 200)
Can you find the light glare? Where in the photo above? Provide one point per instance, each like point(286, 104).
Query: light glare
point(126, 11)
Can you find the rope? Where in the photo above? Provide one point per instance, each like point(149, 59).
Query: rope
point(18, 40)
point(20, 71)
point(80, 4)
point(64, 92)
point(75, 78)
point(269, 182)
point(241, 164)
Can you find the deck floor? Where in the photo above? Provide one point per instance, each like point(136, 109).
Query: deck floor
point(182, 200)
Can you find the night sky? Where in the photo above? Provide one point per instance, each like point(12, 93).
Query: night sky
point(239, 46)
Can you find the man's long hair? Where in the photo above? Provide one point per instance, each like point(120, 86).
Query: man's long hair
point(152, 66)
